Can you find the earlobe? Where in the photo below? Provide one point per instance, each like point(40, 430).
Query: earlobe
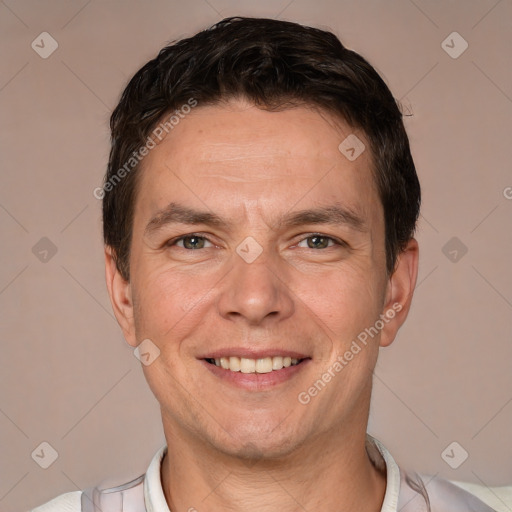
point(120, 294)
point(400, 291)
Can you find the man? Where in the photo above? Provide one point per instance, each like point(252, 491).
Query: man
point(259, 209)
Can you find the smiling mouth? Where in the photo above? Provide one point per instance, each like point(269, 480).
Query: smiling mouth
point(263, 365)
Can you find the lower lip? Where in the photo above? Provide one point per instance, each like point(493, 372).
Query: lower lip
point(256, 381)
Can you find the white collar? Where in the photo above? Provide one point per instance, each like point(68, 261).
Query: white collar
point(155, 499)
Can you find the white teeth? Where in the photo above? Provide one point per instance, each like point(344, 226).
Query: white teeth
point(234, 364)
point(247, 365)
point(277, 363)
point(263, 365)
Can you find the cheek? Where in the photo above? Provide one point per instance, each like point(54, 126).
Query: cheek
point(169, 303)
point(346, 301)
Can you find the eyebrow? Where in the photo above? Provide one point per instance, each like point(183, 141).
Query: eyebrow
point(176, 213)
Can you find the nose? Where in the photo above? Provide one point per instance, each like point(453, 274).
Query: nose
point(256, 293)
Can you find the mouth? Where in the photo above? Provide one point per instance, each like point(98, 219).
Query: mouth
point(261, 365)
point(255, 369)
point(263, 371)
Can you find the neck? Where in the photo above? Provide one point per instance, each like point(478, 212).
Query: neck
point(324, 475)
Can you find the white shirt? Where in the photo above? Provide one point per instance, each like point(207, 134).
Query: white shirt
point(404, 492)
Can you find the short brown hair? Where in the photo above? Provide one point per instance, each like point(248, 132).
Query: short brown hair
point(274, 64)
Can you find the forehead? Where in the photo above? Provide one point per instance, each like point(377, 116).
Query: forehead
point(236, 154)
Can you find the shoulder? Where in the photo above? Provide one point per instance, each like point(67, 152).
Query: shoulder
point(132, 495)
point(68, 502)
point(499, 498)
point(440, 494)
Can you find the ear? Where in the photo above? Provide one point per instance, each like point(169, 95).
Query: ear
point(120, 296)
point(399, 292)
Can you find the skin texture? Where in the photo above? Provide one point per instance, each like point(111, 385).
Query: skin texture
point(232, 448)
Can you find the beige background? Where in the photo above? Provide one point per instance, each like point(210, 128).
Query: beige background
point(68, 377)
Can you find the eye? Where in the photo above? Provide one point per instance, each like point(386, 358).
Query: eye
point(318, 241)
point(192, 241)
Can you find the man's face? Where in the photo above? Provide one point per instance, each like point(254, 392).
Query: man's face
point(314, 287)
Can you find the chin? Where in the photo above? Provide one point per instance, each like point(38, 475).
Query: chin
point(254, 451)
point(253, 443)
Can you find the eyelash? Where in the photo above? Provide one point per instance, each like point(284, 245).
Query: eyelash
point(174, 241)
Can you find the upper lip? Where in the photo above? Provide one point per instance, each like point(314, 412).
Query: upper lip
point(253, 354)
